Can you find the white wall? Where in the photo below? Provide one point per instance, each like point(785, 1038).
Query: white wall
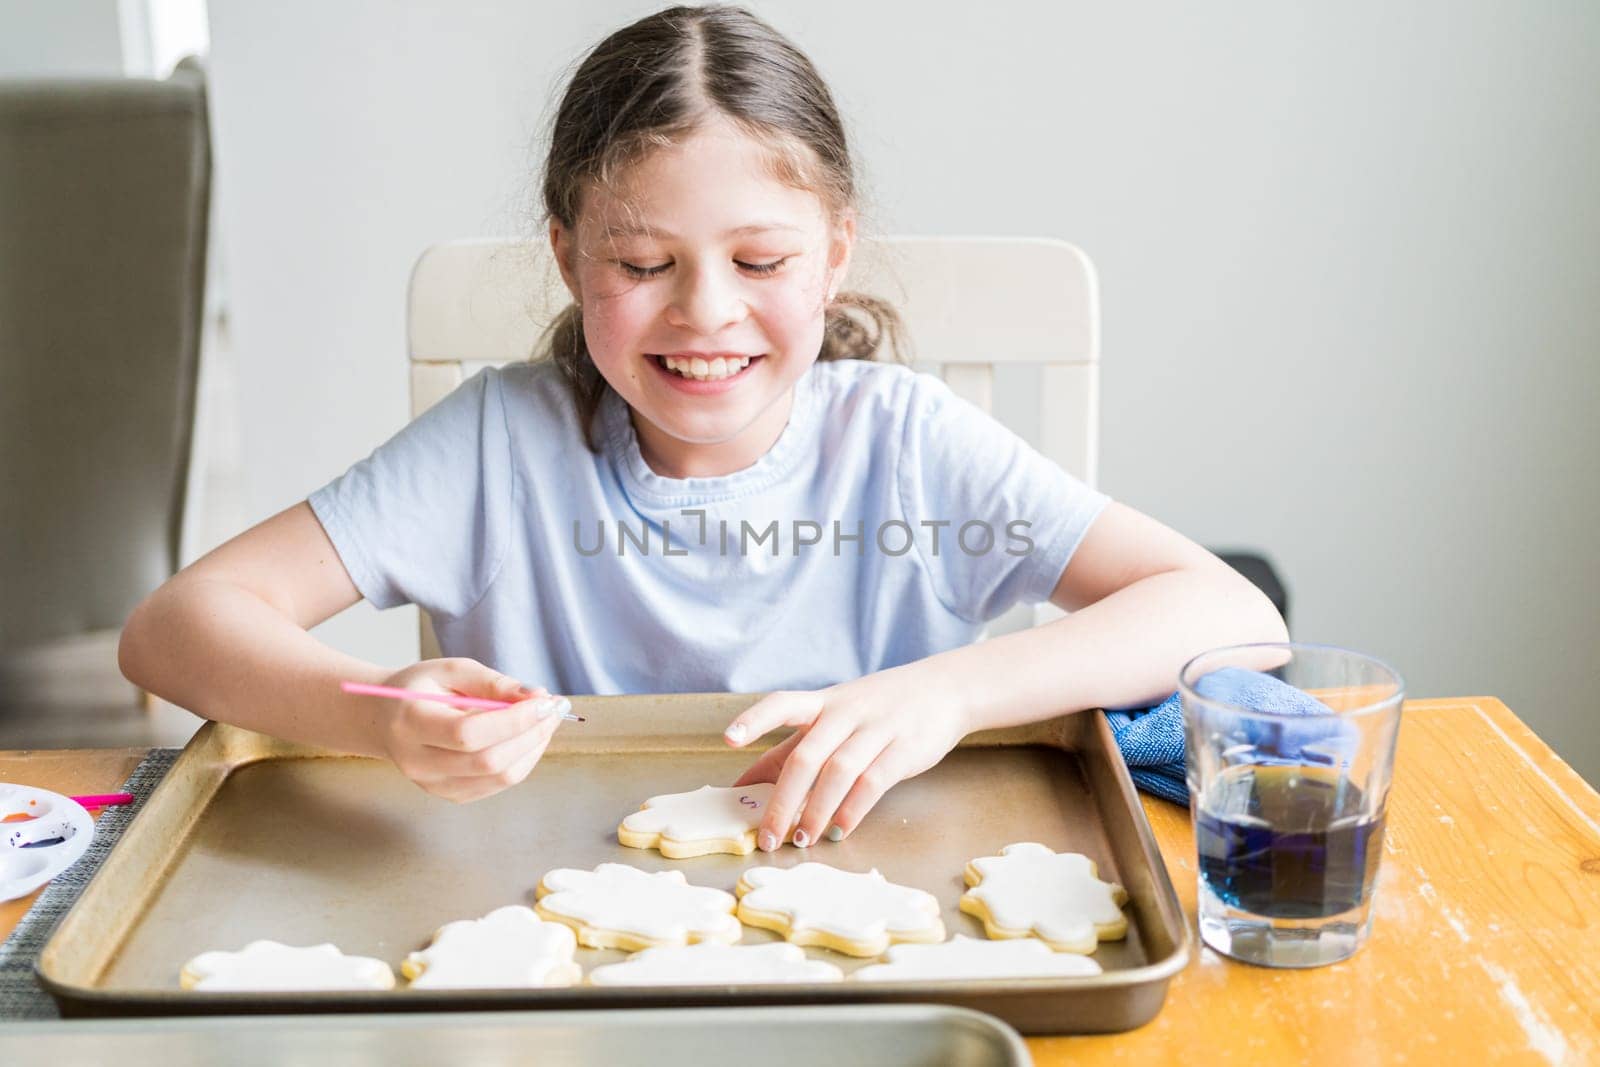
point(1347, 253)
point(75, 38)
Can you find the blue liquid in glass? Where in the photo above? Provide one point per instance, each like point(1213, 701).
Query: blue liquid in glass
point(1288, 842)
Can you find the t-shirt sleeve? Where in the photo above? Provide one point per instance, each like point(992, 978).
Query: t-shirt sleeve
point(424, 519)
point(995, 521)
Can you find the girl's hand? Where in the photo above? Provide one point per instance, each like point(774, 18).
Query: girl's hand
point(457, 754)
point(852, 742)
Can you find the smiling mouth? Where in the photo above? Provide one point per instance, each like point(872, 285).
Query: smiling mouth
point(704, 370)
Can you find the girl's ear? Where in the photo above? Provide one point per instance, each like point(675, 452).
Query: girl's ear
point(841, 246)
point(563, 245)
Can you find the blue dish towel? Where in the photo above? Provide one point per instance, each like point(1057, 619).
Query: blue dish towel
point(1151, 741)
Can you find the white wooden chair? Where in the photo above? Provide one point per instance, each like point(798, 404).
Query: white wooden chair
point(969, 304)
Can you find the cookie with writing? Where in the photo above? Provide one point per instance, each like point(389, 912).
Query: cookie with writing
point(703, 821)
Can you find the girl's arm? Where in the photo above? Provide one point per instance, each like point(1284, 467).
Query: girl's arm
point(1144, 600)
point(227, 638)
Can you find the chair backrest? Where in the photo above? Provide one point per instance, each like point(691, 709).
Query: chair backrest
point(969, 304)
point(104, 195)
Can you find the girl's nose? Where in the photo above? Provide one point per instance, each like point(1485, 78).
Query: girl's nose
point(705, 301)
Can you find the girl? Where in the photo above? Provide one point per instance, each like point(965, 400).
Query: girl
point(709, 386)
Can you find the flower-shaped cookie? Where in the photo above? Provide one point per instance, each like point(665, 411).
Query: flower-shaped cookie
point(1030, 891)
point(510, 947)
point(717, 965)
point(857, 914)
point(618, 906)
point(705, 820)
point(270, 966)
point(965, 957)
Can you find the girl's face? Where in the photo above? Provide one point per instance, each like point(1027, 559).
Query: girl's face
point(703, 280)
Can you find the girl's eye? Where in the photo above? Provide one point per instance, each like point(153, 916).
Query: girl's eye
point(763, 268)
point(634, 271)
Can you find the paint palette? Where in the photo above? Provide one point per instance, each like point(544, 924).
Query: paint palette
point(41, 834)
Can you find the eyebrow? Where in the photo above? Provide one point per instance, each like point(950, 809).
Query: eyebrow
point(738, 231)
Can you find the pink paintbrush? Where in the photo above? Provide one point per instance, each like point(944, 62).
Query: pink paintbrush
point(103, 800)
point(560, 705)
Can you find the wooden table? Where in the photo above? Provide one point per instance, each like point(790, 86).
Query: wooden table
point(1486, 947)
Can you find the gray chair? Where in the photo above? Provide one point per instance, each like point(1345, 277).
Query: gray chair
point(104, 198)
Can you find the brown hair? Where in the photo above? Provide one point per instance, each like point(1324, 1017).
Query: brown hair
point(653, 82)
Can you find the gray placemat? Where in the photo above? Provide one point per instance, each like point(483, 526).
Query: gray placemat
point(20, 995)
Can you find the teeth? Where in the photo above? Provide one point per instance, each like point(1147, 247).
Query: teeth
point(706, 370)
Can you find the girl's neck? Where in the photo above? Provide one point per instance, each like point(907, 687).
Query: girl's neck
point(672, 458)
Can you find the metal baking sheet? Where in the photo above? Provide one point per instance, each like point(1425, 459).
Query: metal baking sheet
point(250, 837)
point(843, 1035)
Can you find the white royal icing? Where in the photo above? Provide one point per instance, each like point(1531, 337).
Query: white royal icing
point(661, 906)
point(509, 947)
point(268, 965)
point(966, 957)
point(717, 965)
point(710, 813)
point(1052, 894)
point(850, 905)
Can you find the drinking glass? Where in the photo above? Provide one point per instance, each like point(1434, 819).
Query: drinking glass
point(1289, 755)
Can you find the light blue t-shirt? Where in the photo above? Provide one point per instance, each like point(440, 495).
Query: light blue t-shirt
point(890, 521)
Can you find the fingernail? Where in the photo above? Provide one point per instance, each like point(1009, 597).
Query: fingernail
point(735, 733)
point(767, 840)
point(835, 834)
point(802, 839)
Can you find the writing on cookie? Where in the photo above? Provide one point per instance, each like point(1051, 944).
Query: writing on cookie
point(618, 906)
point(858, 914)
point(510, 947)
point(1030, 891)
point(700, 822)
point(269, 965)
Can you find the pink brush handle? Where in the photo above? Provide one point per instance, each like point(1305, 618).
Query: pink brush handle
point(455, 701)
point(473, 703)
point(103, 800)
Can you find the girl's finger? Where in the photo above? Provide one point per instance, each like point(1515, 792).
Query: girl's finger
point(767, 767)
point(524, 767)
point(794, 781)
point(441, 726)
point(464, 788)
point(461, 674)
point(881, 774)
point(838, 775)
point(770, 712)
point(495, 758)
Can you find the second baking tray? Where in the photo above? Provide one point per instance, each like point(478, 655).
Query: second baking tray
point(249, 837)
